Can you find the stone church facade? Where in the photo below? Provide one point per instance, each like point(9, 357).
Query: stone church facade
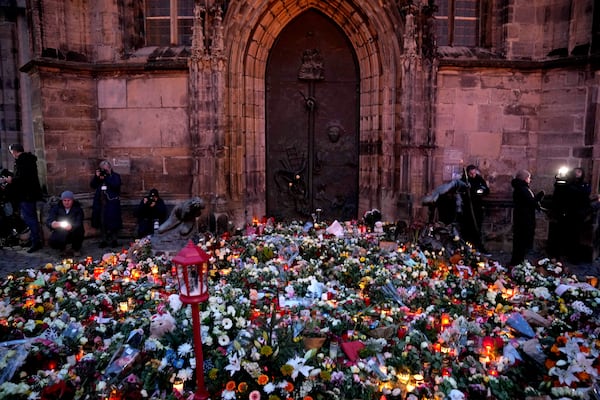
point(283, 107)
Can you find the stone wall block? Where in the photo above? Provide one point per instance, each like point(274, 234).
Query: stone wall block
point(486, 145)
point(559, 139)
point(557, 124)
point(562, 152)
point(468, 118)
point(157, 92)
point(521, 109)
point(584, 152)
point(493, 81)
point(449, 80)
point(112, 93)
point(473, 97)
point(487, 119)
point(567, 98)
point(515, 138)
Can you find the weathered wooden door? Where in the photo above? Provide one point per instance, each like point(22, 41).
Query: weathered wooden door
point(312, 122)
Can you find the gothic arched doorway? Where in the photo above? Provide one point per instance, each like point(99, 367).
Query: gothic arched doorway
point(312, 134)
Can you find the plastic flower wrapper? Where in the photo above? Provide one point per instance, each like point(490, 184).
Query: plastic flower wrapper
point(123, 360)
point(11, 359)
point(251, 338)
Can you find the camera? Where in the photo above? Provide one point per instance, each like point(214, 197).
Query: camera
point(102, 172)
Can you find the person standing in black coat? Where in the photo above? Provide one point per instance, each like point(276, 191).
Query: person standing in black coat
point(106, 207)
point(472, 215)
point(525, 204)
point(577, 210)
point(65, 219)
point(151, 210)
point(28, 191)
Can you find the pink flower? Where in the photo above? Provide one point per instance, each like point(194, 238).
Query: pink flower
point(254, 395)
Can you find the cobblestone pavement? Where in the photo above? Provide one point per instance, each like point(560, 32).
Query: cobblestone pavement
point(16, 258)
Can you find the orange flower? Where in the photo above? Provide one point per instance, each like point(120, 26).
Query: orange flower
point(242, 387)
point(289, 387)
point(263, 379)
point(230, 386)
point(549, 363)
point(583, 376)
point(307, 398)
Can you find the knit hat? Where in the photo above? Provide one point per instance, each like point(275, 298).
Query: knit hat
point(153, 193)
point(16, 147)
point(67, 194)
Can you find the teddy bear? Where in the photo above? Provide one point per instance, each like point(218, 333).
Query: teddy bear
point(160, 324)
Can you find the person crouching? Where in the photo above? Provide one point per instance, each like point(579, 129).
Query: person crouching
point(65, 219)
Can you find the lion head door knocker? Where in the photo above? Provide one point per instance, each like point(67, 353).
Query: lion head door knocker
point(334, 131)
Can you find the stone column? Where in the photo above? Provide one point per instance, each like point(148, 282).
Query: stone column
point(206, 88)
point(415, 139)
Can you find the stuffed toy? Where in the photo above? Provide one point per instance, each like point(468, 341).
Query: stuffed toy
point(160, 324)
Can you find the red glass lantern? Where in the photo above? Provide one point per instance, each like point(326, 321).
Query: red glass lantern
point(191, 264)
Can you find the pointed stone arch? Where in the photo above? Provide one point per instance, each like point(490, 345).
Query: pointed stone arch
point(250, 31)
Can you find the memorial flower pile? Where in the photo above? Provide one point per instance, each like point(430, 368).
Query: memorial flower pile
point(296, 312)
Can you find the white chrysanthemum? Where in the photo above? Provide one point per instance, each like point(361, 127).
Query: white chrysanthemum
point(231, 310)
point(184, 350)
point(228, 395)
point(185, 374)
point(580, 306)
point(541, 292)
point(223, 340)
point(175, 302)
point(227, 323)
point(30, 325)
point(269, 388)
point(241, 322)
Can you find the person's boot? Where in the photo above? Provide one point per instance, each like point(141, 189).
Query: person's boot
point(34, 247)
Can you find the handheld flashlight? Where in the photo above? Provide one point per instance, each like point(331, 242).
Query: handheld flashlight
point(63, 224)
point(561, 176)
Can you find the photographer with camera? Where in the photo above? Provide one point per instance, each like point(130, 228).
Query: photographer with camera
point(151, 212)
point(473, 210)
point(106, 207)
point(65, 220)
